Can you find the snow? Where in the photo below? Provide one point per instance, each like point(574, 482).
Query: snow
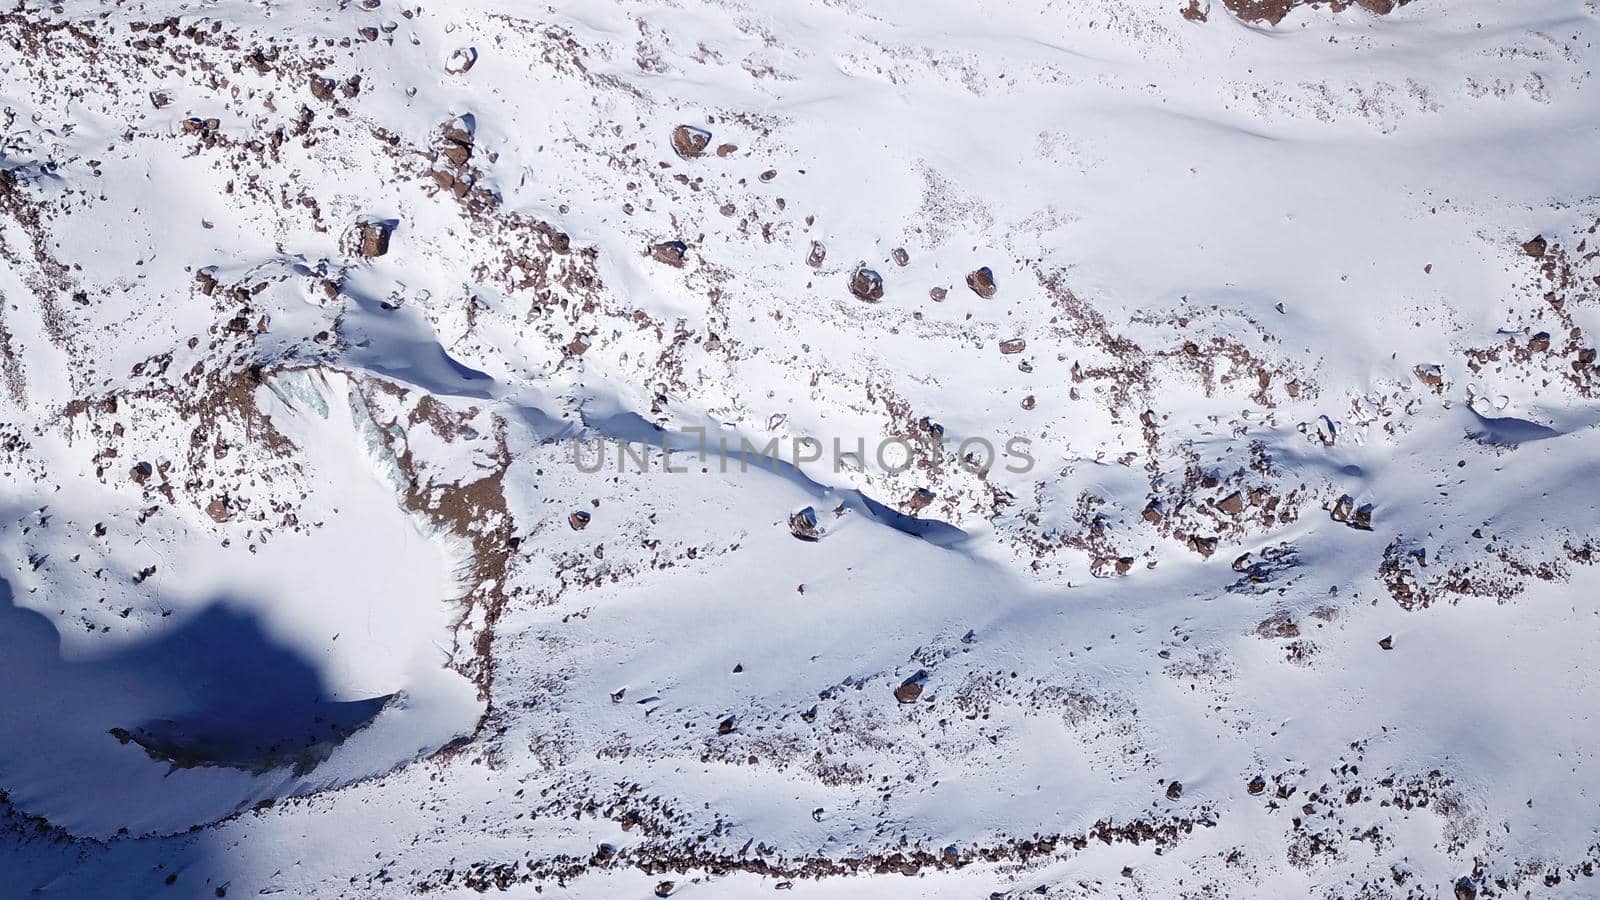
point(296, 599)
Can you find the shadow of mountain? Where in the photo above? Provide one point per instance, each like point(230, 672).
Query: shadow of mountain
point(213, 691)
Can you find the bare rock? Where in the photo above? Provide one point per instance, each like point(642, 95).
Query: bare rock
point(1536, 247)
point(1233, 504)
point(689, 141)
point(1540, 342)
point(982, 282)
point(1174, 790)
point(1386, 642)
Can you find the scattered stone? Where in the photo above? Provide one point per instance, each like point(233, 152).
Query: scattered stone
point(579, 520)
point(901, 257)
point(689, 141)
point(1256, 785)
point(1014, 345)
point(663, 888)
point(937, 294)
point(1233, 504)
point(1536, 247)
point(866, 285)
point(1540, 342)
point(1466, 888)
point(726, 725)
point(580, 345)
point(920, 500)
point(670, 252)
point(1205, 546)
point(726, 149)
point(159, 100)
point(982, 283)
point(141, 472)
point(819, 252)
point(1028, 402)
point(769, 174)
point(1174, 790)
point(803, 525)
point(1387, 643)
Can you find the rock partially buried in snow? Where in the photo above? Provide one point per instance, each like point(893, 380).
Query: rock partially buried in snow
point(1014, 345)
point(803, 525)
point(461, 61)
point(866, 285)
point(670, 252)
point(910, 690)
point(901, 257)
point(689, 141)
point(579, 520)
point(372, 239)
point(819, 252)
point(982, 282)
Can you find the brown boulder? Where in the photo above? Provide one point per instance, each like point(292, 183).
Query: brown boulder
point(373, 239)
point(982, 282)
point(867, 285)
point(689, 141)
point(672, 253)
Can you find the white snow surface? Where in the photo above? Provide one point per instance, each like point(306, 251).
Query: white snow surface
point(1294, 322)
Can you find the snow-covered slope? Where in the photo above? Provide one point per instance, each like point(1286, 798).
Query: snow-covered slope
point(1180, 420)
